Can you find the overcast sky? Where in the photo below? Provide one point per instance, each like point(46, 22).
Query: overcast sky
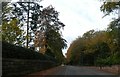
point(79, 16)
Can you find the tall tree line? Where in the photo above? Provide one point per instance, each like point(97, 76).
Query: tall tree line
point(20, 21)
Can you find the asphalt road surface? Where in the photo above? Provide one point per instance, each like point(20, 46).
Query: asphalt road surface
point(74, 71)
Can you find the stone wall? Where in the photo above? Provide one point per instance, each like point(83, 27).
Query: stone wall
point(19, 67)
point(113, 69)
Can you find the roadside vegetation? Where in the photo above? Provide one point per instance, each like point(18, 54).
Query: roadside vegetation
point(99, 48)
point(32, 26)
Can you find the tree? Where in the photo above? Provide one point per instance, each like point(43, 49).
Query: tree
point(114, 33)
point(50, 25)
point(25, 12)
point(114, 26)
point(110, 7)
point(11, 32)
point(86, 49)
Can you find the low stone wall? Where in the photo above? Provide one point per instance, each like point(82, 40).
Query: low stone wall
point(113, 69)
point(18, 67)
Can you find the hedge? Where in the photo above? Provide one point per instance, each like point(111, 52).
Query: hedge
point(13, 51)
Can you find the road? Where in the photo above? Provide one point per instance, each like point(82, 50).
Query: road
point(73, 70)
point(65, 71)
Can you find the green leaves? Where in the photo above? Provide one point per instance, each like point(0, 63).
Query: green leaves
point(110, 7)
point(113, 31)
point(11, 31)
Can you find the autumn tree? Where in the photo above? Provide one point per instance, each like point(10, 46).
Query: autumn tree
point(87, 49)
point(51, 26)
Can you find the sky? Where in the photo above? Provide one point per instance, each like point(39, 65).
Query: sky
point(79, 16)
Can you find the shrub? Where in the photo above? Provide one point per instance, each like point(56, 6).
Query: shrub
point(12, 51)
